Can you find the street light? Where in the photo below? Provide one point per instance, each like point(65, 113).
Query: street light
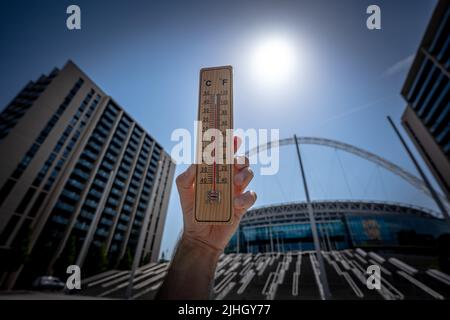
point(312, 221)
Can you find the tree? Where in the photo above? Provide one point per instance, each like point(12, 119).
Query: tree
point(163, 257)
point(71, 250)
point(127, 261)
point(67, 258)
point(146, 259)
point(102, 258)
point(18, 254)
point(16, 257)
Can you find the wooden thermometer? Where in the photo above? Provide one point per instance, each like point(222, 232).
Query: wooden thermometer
point(214, 175)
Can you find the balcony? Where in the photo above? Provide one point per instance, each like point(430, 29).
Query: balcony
point(86, 164)
point(121, 134)
point(60, 220)
point(127, 159)
point(127, 208)
point(121, 227)
point(86, 214)
point(106, 222)
point(91, 203)
point(146, 190)
point(110, 157)
point(114, 149)
point(99, 138)
point(119, 183)
point(125, 167)
point(71, 195)
point(94, 146)
point(113, 202)
point(107, 165)
point(90, 155)
point(64, 206)
point(76, 184)
point(102, 232)
point(108, 118)
point(81, 226)
point(95, 193)
point(124, 218)
point(99, 183)
point(103, 174)
point(134, 183)
point(137, 223)
point(122, 175)
point(118, 237)
point(116, 192)
point(110, 211)
point(103, 131)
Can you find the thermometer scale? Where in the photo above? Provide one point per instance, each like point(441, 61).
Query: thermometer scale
point(214, 173)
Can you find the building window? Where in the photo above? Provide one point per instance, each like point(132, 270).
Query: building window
point(4, 192)
point(9, 229)
point(26, 200)
point(37, 204)
point(44, 133)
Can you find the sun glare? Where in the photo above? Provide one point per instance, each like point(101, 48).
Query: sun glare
point(274, 61)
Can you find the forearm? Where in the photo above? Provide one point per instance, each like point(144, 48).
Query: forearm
point(191, 273)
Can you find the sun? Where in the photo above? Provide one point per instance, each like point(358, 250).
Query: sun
point(274, 61)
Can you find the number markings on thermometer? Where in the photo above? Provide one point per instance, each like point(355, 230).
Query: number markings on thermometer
point(213, 183)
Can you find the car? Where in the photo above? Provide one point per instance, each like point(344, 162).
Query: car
point(48, 283)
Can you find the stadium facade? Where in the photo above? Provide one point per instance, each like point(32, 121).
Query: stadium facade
point(379, 226)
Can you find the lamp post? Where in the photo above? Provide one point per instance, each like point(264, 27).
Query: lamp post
point(422, 174)
point(312, 221)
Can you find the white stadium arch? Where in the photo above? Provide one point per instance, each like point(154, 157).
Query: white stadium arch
point(395, 169)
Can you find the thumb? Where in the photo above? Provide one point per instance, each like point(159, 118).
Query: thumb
point(185, 181)
point(185, 185)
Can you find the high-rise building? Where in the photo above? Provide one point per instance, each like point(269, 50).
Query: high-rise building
point(78, 176)
point(427, 92)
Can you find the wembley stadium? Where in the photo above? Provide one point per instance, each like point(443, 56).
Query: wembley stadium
point(272, 255)
point(379, 226)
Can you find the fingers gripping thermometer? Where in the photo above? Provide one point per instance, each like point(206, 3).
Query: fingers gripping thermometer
point(214, 175)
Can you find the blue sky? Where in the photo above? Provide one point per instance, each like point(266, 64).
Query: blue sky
point(347, 80)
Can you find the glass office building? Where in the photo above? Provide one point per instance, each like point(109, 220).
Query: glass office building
point(78, 177)
point(341, 225)
point(427, 93)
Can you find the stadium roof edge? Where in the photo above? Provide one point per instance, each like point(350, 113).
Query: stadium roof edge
point(434, 214)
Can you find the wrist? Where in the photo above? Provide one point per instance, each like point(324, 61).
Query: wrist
point(197, 244)
point(191, 272)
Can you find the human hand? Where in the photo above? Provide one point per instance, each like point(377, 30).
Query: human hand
point(215, 236)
